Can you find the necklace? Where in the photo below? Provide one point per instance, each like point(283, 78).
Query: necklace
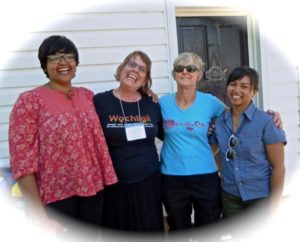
point(235, 123)
point(123, 112)
point(126, 98)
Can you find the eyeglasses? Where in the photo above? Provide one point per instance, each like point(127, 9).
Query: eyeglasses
point(134, 65)
point(233, 142)
point(189, 68)
point(55, 59)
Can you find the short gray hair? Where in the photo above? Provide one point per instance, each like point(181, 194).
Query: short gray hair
point(189, 56)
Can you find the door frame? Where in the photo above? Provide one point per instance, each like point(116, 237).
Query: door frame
point(252, 31)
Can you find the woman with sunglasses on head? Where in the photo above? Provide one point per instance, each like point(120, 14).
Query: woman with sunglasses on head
point(190, 174)
point(59, 155)
point(131, 121)
point(251, 148)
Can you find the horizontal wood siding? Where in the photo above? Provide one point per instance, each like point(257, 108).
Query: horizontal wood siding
point(281, 92)
point(104, 34)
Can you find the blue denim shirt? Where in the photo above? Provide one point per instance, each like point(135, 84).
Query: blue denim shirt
point(248, 175)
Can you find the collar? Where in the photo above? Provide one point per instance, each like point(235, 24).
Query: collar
point(248, 113)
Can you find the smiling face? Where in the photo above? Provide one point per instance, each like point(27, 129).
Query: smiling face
point(187, 70)
point(187, 75)
point(241, 86)
point(62, 72)
point(133, 75)
point(240, 92)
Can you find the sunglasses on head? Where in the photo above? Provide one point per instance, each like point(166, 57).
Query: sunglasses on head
point(233, 142)
point(189, 68)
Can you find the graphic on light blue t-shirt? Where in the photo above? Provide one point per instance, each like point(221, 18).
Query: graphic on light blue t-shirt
point(185, 149)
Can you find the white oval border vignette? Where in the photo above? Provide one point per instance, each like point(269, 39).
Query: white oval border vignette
point(18, 17)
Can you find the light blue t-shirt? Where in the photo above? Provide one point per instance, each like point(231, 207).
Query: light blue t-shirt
point(186, 150)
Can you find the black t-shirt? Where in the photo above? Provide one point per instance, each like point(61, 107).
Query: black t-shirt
point(137, 159)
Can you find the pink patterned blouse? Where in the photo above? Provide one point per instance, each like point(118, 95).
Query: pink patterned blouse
point(60, 140)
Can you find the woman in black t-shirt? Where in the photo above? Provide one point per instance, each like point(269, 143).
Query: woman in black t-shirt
point(131, 121)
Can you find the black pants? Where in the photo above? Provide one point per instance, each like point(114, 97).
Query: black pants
point(182, 194)
point(82, 209)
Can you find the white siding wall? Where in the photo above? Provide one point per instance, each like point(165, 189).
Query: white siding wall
point(104, 35)
point(106, 32)
point(281, 92)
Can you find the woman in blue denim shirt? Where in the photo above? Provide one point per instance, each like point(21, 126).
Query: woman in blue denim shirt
point(251, 148)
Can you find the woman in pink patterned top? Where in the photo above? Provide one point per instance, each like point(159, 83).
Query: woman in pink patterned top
point(59, 155)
